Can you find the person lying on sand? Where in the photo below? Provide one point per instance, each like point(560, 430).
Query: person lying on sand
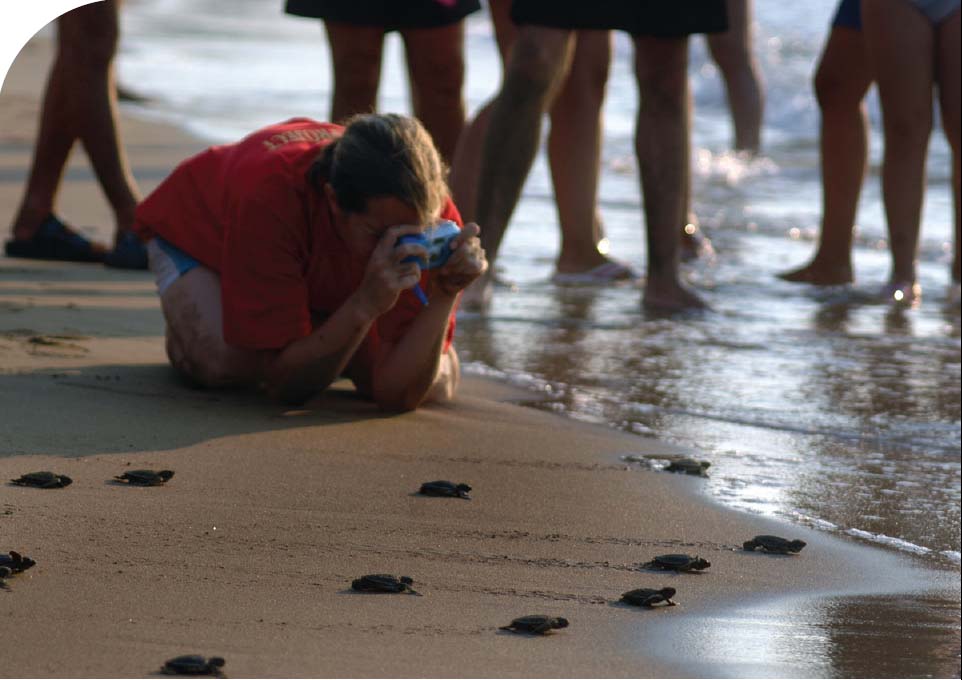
point(277, 262)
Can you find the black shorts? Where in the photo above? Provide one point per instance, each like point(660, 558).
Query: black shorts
point(391, 14)
point(655, 18)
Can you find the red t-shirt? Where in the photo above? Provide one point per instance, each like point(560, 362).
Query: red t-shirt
point(247, 212)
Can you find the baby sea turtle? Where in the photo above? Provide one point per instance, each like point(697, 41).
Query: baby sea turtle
point(145, 477)
point(689, 466)
point(5, 573)
point(649, 597)
point(536, 624)
point(43, 480)
point(677, 563)
point(193, 664)
point(774, 544)
point(445, 488)
point(15, 562)
point(384, 583)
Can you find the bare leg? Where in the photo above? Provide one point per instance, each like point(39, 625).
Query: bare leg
point(466, 166)
point(841, 81)
point(663, 147)
point(80, 103)
point(948, 69)
point(463, 179)
point(893, 29)
point(574, 152)
point(436, 67)
point(356, 61)
point(732, 51)
point(195, 337)
point(539, 63)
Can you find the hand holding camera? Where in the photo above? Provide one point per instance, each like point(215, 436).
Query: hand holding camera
point(468, 259)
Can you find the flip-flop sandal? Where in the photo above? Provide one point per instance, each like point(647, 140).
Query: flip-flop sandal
point(606, 274)
point(54, 240)
point(129, 253)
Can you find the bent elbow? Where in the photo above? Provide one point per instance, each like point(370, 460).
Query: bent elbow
point(398, 403)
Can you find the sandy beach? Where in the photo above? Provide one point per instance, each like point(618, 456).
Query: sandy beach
point(249, 551)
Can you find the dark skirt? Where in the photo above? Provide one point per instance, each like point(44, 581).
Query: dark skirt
point(655, 18)
point(391, 14)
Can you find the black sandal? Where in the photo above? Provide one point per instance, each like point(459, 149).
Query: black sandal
point(54, 240)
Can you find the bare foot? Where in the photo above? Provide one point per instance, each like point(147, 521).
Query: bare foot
point(670, 295)
point(819, 273)
point(608, 273)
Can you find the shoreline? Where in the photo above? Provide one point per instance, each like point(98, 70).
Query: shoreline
point(273, 511)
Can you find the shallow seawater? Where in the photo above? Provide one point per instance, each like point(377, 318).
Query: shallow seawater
point(851, 637)
point(828, 407)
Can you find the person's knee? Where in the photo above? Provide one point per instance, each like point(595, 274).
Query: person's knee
point(535, 66)
point(439, 82)
point(357, 84)
point(661, 73)
point(87, 38)
point(837, 91)
point(731, 58)
point(589, 79)
point(666, 93)
point(357, 72)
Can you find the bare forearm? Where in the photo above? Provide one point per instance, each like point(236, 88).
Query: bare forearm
point(409, 370)
point(310, 364)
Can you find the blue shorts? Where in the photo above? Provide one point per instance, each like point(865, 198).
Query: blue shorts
point(167, 262)
point(849, 15)
point(937, 11)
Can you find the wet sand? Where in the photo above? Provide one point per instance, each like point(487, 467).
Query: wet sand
point(249, 551)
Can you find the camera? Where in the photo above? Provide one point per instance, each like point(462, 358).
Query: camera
point(436, 240)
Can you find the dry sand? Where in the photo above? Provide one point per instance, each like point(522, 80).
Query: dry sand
point(249, 551)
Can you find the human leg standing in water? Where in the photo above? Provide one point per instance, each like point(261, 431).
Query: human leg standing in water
point(538, 66)
point(576, 114)
point(663, 147)
point(928, 30)
point(574, 156)
point(80, 103)
point(539, 63)
point(732, 51)
point(841, 82)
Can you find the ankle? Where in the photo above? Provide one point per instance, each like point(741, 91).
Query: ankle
point(28, 220)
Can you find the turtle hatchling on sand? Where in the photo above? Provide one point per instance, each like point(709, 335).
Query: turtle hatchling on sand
point(15, 562)
point(145, 477)
point(774, 544)
point(536, 624)
point(194, 664)
point(445, 488)
point(5, 573)
point(689, 466)
point(43, 480)
point(649, 597)
point(384, 583)
point(677, 563)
